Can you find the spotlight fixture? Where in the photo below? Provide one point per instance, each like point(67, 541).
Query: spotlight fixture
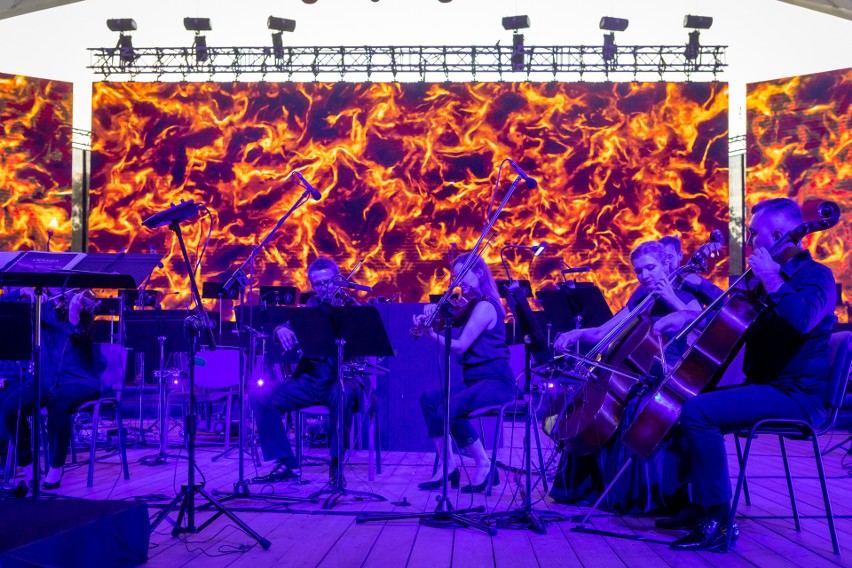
point(281, 25)
point(613, 24)
point(697, 22)
point(516, 22)
point(199, 44)
point(124, 46)
point(309, 1)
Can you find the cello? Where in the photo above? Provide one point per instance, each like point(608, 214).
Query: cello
point(704, 362)
point(623, 357)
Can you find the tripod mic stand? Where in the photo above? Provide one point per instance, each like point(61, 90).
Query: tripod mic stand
point(186, 497)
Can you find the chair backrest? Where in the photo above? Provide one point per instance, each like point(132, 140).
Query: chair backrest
point(112, 366)
point(840, 346)
point(218, 369)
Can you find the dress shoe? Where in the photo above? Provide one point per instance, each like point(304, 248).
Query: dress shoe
point(469, 488)
point(454, 478)
point(710, 534)
point(684, 520)
point(52, 485)
point(279, 473)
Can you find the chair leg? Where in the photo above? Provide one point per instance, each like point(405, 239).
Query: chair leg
point(96, 414)
point(9, 470)
point(540, 457)
point(740, 482)
point(229, 401)
point(740, 461)
point(490, 484)
point(828, 513)
point(122, 441)
point(299, 427)
point(74, 439)
point(793, 505)
point(371, 448)
point(377, 442)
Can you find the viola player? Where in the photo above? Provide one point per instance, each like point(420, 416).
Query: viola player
point(482, 351)
point(314, 383)
point(786, 367)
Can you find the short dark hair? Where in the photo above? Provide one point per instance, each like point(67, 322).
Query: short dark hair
point(673, 242)
point(323, 263)
point(782, 205)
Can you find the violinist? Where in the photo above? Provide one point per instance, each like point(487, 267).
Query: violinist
point(314, 383)
point(786, 367)
point(657, 484)
point(68, 378)
point(484, 356)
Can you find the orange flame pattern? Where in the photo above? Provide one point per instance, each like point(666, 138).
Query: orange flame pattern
point(800, 146)
point(35, 163)
point(407, 170)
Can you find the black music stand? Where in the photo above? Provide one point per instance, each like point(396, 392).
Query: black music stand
point(152, 332)
point(41, 270)
point(572, 307)
point(279, 295)
point(342, 332)
point(535, 347)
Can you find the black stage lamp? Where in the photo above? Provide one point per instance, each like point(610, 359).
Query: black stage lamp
point(613, 24)
point(516, 22)
point(199, 44)
point(609, 48)
point(697, 22)
point(281, 25)
point(124, 46)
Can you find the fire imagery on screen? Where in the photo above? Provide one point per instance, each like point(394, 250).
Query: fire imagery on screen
point(408, 172)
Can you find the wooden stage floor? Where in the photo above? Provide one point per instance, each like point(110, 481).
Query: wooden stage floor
point(302, 536)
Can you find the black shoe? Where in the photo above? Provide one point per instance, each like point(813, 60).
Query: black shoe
point(279, 473)
point(21, 489)
point(684, 520)
point(454, 478)
point(50, 486)
point(333, 473)
point(481, 487)
point(709, 535)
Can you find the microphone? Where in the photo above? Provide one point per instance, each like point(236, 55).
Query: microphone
point(576, 270)
point(531, 183)
point(347, 284)
point(316, 195)
point(537, 250)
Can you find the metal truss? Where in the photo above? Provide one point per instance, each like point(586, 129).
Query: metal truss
point(495, 60)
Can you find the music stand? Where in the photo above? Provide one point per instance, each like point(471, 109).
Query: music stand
point(535, 347)
point(279, 295)
point(567, 308)
point(342, 332)
point(41, 270)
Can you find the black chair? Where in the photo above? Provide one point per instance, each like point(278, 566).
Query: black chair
point(841, 358)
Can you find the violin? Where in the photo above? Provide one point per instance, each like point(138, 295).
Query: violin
point(456, 311)
point(62, 300)
point(706, 360)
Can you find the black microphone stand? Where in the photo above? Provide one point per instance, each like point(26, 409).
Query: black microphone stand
point(194, 325)
point(241, 488)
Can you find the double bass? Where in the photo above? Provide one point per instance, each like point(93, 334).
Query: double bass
point(622, 358)
point(703, 364)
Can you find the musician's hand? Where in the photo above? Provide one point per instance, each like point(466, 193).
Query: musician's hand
point(75, 307)
point(663, 290)
point(766, 269)
point(691, 281)
point(429, 309)
point(672, 323)
point(286, 337)
point(27, 293)
point(418, 319)
point(564, 341)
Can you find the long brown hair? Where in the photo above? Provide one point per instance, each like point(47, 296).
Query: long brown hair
point(487, 284)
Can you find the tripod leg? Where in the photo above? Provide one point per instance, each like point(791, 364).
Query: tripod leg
point(168, 509)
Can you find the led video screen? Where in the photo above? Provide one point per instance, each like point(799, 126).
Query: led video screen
point(407, 173)
point(35, 163)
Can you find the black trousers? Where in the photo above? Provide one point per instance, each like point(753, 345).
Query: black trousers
point(61, 403)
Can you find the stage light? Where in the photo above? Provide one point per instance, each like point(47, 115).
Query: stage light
point(197, 24)
point(537, 250)
point(609, 48)
point(122, 25)
point(280, 24)
point(697, 22)
point(613, 24)
point(199, 44)
point(516, 22)
point(309, 1)
point(124, 46)
point(518, 56)
point(693, 46)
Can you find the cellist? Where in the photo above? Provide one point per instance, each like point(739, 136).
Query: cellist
point(654, 485)
point(786, 366)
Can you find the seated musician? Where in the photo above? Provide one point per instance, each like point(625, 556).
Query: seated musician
point(484, 356)
point(786, 368)
point(68, 378)
point(314, 383)
point(695, 284)
point(645, 486)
